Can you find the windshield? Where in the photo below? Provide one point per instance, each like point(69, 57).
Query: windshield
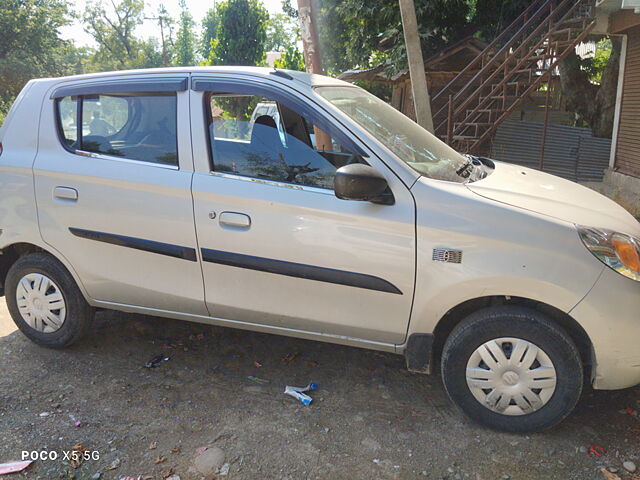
point(415, 146)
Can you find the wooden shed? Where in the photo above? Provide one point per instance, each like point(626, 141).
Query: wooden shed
point(441, 68)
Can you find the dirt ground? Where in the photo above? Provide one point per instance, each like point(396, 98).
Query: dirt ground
point(370, 418)
point(6, 324)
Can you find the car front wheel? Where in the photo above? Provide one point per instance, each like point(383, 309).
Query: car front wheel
point(512, 369)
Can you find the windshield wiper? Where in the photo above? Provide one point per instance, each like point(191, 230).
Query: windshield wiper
point(465, 170)
point(473, 169)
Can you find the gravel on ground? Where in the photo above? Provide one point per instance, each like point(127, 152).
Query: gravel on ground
point(221, 392)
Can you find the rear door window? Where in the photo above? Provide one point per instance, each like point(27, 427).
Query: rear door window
point(131, 126)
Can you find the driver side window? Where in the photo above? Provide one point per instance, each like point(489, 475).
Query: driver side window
point(255, 136)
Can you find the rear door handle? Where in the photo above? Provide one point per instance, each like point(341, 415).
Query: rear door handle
point(66, 193)
point(234, 219)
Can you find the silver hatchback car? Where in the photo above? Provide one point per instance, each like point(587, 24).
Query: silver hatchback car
point(301, 205)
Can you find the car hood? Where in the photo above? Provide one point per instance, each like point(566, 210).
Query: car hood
point(555, 197)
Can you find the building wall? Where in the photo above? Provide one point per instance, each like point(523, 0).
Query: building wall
point(624, 189)
point(627, 158)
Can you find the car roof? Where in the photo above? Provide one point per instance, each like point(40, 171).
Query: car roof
point(304, 78)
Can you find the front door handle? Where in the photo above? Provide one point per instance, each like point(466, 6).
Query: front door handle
point(66, 193)
point(234, 219)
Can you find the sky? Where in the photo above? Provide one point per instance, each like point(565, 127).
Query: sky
point(150, 28)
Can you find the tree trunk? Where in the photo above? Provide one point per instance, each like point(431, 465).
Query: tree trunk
point(419, 86)
point(594, 103)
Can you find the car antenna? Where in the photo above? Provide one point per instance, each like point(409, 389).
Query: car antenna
point(280, 73)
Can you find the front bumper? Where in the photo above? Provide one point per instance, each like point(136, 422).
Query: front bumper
point(610, 314)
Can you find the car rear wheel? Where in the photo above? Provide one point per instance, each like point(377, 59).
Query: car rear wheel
point(512, 369)
point(45, 302)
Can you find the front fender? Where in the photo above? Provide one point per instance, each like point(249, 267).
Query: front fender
point(506, 251)
point(429, 311)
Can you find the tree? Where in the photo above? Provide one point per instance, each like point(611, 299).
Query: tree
point(288, 9)
point(149, 55)
point(30, 46)
point(291, 59)
point(366, 33)
point(210, 24)
point(185, 39)
point(352, 30)
point(114, 32)
point(282, 33)
point(594, 103)
point(166, 24)
point(241, 33)
point(491, 17)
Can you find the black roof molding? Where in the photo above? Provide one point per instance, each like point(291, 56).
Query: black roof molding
point(161, 84)
point(275, 91)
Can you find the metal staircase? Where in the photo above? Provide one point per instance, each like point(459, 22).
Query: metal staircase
point(512, 66)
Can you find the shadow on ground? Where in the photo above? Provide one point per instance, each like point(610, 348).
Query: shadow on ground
point(221, 387)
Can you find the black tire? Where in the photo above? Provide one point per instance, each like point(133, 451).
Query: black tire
point(79, 315)
point(522, 323)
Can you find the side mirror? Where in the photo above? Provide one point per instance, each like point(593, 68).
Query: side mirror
point(362, 182)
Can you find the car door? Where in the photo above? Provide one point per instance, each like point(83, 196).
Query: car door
point(278, 248)
point(113, 176)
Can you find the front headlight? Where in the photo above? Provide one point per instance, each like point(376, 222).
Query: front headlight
point(616, 250)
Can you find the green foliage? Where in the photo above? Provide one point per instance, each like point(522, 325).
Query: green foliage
point(166, 25)
point(380, 90)
point(364, 33)
point(491, 17)
point(185, 39)
point(118, 48)
point(113, 31)
point(595, 66)
point(4, 109)
point(209, 31)
point(289, 10)
point(241, 34)
point(282, 33)
point(350, 30)
point(291, 59)
point(353, 34)
point(30, 46)
point(149, 54)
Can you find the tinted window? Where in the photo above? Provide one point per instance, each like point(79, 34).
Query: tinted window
point(257, 137)
point(68, 118)
point(104, 115)
point(132, 126)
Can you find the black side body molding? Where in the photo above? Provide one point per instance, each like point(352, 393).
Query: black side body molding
point(418, 352)
point(186, 253)
point(299, 270)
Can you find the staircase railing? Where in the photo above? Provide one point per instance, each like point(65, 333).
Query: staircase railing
point(531, 43)
point(539, 79)
point(489, 49)
point(488, 58)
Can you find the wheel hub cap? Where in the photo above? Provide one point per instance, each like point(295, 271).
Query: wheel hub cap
point(40, 303)
point(511, 376)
